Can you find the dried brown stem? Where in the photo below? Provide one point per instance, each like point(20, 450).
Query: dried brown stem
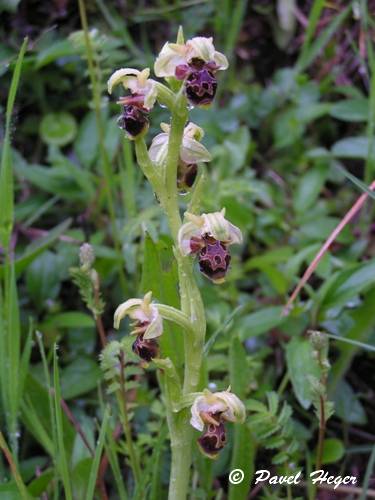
point(76, 425)
point(349, 490)
point(310, 270)
point(322, 431)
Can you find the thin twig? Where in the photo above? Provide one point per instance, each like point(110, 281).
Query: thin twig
point(322, 415)
point(322, 431)
point(310, 270)
point(105, 461)
point(342, 489)
point(13, 467)
point(101, 330)
point(76, 425)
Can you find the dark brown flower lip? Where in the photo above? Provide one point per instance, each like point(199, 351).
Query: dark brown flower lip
point(213, 439)
point(133, 120)
point(186, 175)
point(146, 349)
point(214, 260)
point(200, 87)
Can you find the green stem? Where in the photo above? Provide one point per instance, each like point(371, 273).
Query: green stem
point(121, 400)
point(179, 117)
point(176, 316)
point(191, 305)
point(104, 159)
point(148, 168)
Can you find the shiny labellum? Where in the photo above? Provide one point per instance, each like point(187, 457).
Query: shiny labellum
point(212, 440)
point(133, 120)
point(146, 349)
point(186, 175)
point(214, 260)
point(200, 86)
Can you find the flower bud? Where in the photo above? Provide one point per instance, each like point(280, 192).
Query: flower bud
point(319, 340)
point(86, 255)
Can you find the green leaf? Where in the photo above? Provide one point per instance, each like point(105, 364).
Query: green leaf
point(237, 146)
point(40, 484)
point(38, 246)
point(347, 284)
point(255, 405)
point(347, 405)
point(158, 261)
point(243, 454)
point(80, 377)
point(68, 319)
point(86, 143)
point(58, 129)
point(352, 147)
point(270, 257)
point(54, 51)
point(351, 110)
point(363, 323)
point(301, 366)
point(259, 322)
point(42, 281)
point(333, 451)
point(309, 187)
point(9, 491)
point(80, 476)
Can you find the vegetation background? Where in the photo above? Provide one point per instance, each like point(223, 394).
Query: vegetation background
point(291, 133)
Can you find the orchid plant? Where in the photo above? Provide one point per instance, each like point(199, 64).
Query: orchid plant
point(171, 165)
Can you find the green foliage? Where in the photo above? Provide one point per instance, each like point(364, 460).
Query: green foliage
point(272, 426)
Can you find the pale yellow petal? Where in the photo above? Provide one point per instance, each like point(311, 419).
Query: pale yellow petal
point(118, 77)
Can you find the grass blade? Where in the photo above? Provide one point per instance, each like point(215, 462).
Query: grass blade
point(6, 174)
point(98, 454)
point(12, 464)
point(362, 345)
point(369, 469)
point(62, 458)
point(357, 182)
point(318, 45)
point(314, 16)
